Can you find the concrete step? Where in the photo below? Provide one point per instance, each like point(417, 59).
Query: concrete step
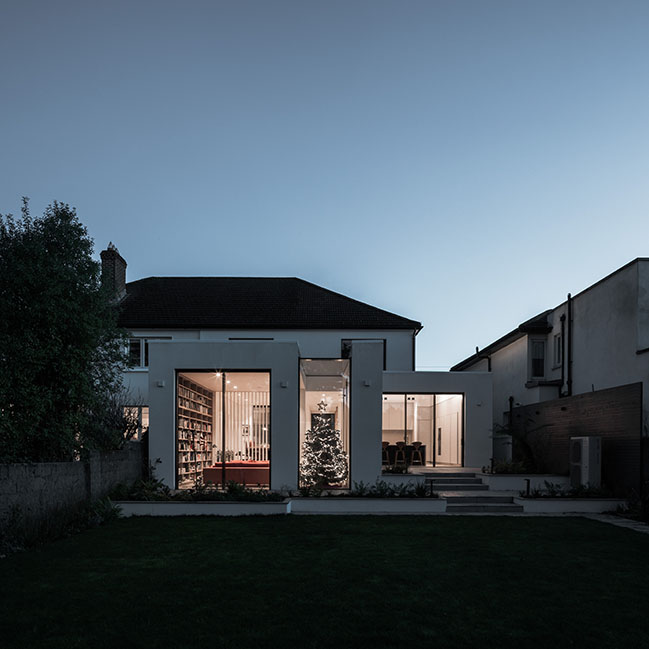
point(440, 480)
point(459, 487)
point(470, 508)
point(459, 500)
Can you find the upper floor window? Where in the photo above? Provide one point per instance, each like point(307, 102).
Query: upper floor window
point(138, 350)
point(537, 359)
point(558, 350)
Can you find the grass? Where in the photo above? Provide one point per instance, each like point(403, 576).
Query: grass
point(331, 581)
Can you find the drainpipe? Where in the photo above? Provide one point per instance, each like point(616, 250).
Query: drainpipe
point(414, 334)
point(510, 425)
point(569, 382)
point(563, 353)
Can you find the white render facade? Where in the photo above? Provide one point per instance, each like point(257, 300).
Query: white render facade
point(595, 340)
point(241, 402)
point(156, 386)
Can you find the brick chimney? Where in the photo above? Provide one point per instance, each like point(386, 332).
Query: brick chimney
point(113, 271)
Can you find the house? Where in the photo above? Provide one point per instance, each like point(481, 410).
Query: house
point(582, 366)
point(234, 375)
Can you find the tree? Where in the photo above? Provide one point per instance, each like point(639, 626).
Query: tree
point(60, 349)
point(324, 462)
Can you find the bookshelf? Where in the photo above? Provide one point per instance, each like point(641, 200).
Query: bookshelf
point(194, 430)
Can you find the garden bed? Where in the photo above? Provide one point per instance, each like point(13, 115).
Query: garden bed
point(205, 508)
point(349, 505)
point(322, 505)
point(398, 479)
point(518, 481)
point(564, 505)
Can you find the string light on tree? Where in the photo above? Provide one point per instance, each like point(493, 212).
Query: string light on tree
point(324, 462)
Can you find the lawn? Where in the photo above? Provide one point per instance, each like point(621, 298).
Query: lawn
point(331, 581)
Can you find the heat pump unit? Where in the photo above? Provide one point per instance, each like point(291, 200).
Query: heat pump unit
point(585, 461)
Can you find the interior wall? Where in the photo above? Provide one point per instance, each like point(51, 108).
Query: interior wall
point(448, 423)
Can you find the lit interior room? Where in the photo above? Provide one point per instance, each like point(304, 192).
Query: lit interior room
point(223, 428)
point(422, 429)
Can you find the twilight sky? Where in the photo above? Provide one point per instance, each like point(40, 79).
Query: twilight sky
point(463, 163)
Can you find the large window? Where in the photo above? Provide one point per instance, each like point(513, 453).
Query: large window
point(324, 423)
point(223, 428)
point(422, 429)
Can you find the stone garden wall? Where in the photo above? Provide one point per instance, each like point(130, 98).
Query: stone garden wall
point(35, 491)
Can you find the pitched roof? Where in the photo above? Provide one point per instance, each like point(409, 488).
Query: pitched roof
point(247, 303)
point(537, 325)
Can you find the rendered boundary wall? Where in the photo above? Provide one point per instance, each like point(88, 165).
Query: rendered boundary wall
point(34, 491)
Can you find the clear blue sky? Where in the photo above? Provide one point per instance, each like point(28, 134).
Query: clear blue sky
point(463, 163)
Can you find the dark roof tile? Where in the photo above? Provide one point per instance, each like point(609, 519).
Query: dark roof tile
point(247, 303)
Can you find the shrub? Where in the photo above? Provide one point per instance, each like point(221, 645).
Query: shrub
point(155, 490)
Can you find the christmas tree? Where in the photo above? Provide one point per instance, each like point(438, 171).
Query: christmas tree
point(324, 462)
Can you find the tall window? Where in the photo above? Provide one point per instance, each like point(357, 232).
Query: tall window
point(537, 359)
point(137, 356)
point(324, 423)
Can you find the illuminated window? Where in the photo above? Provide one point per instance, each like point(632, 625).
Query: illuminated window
point(324, 423)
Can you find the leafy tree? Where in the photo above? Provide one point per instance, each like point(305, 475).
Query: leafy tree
point(61, 352)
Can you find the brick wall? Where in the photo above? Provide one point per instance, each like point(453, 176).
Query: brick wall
point(615, 415)
point(36, 490)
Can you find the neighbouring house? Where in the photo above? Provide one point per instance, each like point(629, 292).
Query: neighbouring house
point(235, 378)
point(580, 368)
